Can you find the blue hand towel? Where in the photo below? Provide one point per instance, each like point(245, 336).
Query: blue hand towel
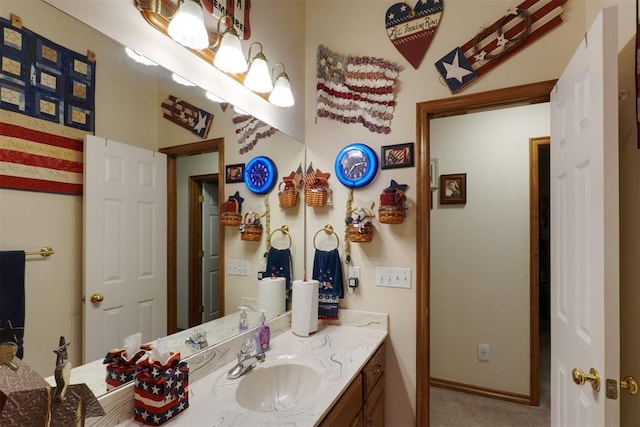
point(279, 265)
point(12, 298)
point(327, 269)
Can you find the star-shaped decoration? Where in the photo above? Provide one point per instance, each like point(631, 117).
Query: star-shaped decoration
point(502, 40)
point(238, 198)
point(395, 187)
point(480, 56)
point(155, 389)
point(8, 333)
point(181, 406)
point(290, 178)
point(61, 351)
point(454, 70)
point(169, 413)
point(156, 419)
point(512, 11)
point(144, 414)
point(123, 377)
point(391, 16)
point(114, 376)
point(202, 122)
point(322, 175)
point(145, 386)
point(155, 372)
point(169, 382)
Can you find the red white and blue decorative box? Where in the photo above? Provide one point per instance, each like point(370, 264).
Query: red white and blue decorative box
point(122, 369)
point(161, 391)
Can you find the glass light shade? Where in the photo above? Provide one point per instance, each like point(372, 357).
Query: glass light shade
point(258, 78)
point(229, 57)
point(187, 27)
point(281, 95)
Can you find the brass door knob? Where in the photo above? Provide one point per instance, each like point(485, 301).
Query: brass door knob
point(580, 377)
point(97, 297)
point(630, 385)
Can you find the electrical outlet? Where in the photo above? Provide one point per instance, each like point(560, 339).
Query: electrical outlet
point(354, 272)
point(484, 351)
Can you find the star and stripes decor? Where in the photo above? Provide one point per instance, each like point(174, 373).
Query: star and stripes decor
point(411, 30)
point(161, 391)
point(38, 155)
point(186, 115)
point(121, 368)
point(519, 27)
point(356, 89)
point(40, 78)
point(250, 130)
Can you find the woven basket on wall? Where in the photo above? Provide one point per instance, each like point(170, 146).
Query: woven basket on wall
point(251, 232)
point(230, 213)
point(315, 197)
point(287, 198)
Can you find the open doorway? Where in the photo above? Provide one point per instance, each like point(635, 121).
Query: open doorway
point(527, 94)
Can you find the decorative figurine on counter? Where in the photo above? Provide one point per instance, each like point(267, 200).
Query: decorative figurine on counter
point(62, 373)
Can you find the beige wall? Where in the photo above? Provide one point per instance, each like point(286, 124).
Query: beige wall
point(480, 250)
point(356, 27)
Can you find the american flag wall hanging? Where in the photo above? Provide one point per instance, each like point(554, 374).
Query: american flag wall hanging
point(37, 155)
point(250, 130)
point(356, 89)
point(188, 116)
point(520, 26)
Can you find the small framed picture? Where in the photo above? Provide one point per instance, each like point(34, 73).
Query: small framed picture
point(234, 173)
point(433, 174)
point(397, 156)
point(453, 189)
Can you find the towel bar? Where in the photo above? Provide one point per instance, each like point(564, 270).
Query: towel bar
point(44, 251)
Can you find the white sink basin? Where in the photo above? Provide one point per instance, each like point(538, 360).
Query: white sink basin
point(277, 388)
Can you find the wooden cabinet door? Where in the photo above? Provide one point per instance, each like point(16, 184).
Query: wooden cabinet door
point(374, 406)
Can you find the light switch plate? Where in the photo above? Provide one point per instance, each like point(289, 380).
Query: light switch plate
point(393, 277)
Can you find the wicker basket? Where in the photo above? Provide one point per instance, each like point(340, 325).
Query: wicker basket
point(391, 215)
point(251, 232)
point(230, 213)
point(360, 234)
point(287, 198)
point(315, 197)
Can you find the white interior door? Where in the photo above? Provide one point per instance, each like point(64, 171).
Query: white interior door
point(125, 245)
point(211, 249)
point(585, 232)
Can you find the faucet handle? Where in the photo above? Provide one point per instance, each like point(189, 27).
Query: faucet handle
point(249, 346)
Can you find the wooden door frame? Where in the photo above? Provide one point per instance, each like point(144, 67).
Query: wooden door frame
point(212, 145)
point(425, 111)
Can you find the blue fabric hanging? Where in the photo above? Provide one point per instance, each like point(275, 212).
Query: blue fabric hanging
point(12, 298)
point(327, 269)
point(279, 265)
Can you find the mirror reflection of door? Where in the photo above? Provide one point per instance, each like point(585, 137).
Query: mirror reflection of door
point(210, 273)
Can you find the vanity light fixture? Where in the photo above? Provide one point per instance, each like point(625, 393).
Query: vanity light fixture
point(281, 95)
point(258, 78)
point(229, 57)
point(187, 25)
point(141, 59)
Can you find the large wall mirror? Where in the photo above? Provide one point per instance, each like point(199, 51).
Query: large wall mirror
point(128, 110)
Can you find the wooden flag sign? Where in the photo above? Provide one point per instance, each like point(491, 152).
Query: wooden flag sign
point(519, 27)
point(186, 115)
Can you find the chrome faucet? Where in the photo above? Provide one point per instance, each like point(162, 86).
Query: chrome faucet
point(248, 358)
point(198, 340)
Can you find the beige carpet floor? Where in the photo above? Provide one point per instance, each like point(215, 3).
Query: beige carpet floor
point(451, 408)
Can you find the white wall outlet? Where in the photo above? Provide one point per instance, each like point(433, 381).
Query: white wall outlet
point(393, 277)
point(354, 273)
point(484, 352)
point(238, 267)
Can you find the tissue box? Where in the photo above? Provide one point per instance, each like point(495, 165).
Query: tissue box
point(161, 391)
point(24, 397)
point(120, 368)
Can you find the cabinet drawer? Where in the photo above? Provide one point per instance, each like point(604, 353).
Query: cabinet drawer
point(347, 408)
point(373, 370)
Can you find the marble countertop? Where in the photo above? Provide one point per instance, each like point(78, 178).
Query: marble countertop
point(337, 351)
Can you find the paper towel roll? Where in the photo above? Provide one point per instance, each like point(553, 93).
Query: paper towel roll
point(272, 296)
point(304, 307)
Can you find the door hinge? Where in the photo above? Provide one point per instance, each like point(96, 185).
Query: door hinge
point(201, 309)
point(201, 254)
point(201, 198)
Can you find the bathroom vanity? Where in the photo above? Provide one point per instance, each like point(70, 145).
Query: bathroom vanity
point(333, 377)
